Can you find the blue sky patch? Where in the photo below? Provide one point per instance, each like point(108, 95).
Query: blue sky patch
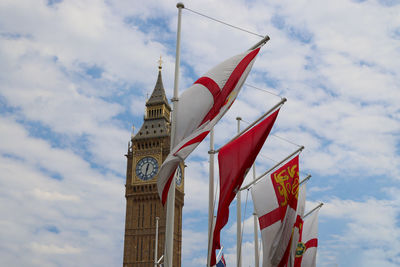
point(53, 2)
point(52, 174)
point(300, 34)
point(12, 156)
point(41, 131)
point(52, 229)
point(389, 3)
point(396, 33)
point(148, 25)
point(94, 71)
point(278, 22)
point(14, 36)
point(5, 108)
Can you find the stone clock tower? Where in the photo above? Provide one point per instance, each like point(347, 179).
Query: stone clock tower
point(149, 148)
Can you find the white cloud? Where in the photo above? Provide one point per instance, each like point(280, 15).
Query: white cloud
point(45, 195)
point(53, 249)
point(371, 224)
point(80, 211)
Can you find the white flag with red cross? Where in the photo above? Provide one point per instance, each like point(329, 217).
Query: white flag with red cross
point(306, 251)
point(298, 225)
point(200, 107)
point(275, 202)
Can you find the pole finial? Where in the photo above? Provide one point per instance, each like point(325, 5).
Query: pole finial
point(180, 5)
point(160, 63)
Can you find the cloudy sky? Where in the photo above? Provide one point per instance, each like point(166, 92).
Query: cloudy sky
point(74, 76)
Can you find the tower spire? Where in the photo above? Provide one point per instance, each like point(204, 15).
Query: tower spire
point(158, 95)
point(157, 113)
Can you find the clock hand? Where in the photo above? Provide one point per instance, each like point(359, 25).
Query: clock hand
point(147, 168)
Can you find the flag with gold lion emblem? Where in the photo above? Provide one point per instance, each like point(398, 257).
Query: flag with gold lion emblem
point(275, 202)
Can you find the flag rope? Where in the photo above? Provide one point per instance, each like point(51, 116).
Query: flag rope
point(279, 137)
point(275, 161)
point(284, 139)
point(225, 23)
point(263, 90)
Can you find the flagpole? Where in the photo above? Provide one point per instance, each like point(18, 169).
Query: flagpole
point(220, 252)
point(305, 179)
point(238, 217)
point(283, 100)
point(169, 227)
point(256, 257)
point(156, 244)
point(260, 43)
point(272, 168)
point(314, 209)
point(210, 197)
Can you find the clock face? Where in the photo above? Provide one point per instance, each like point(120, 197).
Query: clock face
point(178, 176)
point(146, 168)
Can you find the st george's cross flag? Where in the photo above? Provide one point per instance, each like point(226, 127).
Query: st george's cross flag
point(235, 160)
point(275, 202)
point(200, 107)
point(306, 251)
point(298, 225)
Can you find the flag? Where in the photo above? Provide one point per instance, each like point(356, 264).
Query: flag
point(275, 202)
point(235, 160)
point(221, 262)
point(200, 107)
point(301, 204)
point(286, 184)
point(306, 251)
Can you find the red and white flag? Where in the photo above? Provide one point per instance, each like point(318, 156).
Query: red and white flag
point(235, 159)
point(301, 204)
point(306, 251)
point(200, 107)
point(275, 202)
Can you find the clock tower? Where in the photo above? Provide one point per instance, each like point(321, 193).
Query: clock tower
point(148, 149)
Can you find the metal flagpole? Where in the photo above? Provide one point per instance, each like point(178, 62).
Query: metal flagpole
point(262, 42)
point(169, 227)
point(256, 258)
point(314, 209)
point(211, 197)
point(238, 217)
point(156, 244)
point(275, 166)
point(305, 179)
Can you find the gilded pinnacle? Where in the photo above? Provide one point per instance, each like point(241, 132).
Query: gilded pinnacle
point(160, 63)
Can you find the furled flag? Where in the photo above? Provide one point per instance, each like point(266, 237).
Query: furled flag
point(235, 160)
point(301, 204)
point(306, 251)
point(275, 202)
point(200, 107)
point(221, 262)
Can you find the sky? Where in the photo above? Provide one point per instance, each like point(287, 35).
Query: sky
point(74, 77)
